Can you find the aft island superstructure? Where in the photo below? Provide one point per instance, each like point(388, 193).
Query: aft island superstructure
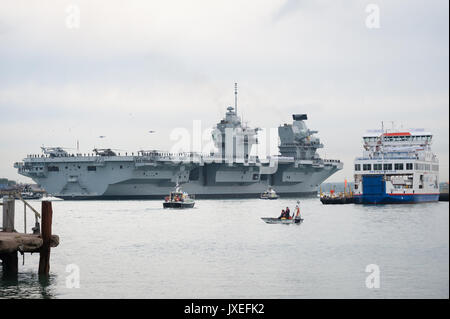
point(229, 172)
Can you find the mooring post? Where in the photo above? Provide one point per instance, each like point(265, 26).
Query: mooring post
point(8, 213)
point(10, 264)
point(9, 260)
point(24, 218)
point(44, 254)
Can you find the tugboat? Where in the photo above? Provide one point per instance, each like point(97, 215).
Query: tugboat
point(340, 198)
point(269, 194)
point(336, 199)
point(179, 199)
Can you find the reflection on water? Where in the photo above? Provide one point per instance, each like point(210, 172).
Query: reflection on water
point(222, 249)
point(27, 285)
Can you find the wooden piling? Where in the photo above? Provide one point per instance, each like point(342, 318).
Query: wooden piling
point(8, 213)
point(9, 259)
point(10, 264)
point(24, 218)
point(44, 253)
point(12, 242)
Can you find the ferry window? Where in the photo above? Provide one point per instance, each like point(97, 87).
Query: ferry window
point(367, 167)
point(53, 169)
point(91, 168)
point(387, 167)
point(409, 166)
point(398, 166)
point(357, 167)
point(377, 167)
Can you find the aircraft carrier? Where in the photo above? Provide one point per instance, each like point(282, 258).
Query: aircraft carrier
point(230, 171)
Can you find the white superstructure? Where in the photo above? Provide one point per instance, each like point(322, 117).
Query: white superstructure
point(397, 166)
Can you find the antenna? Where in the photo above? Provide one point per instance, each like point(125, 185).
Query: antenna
point(235, 97)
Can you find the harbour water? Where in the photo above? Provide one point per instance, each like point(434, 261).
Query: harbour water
point(222, 249)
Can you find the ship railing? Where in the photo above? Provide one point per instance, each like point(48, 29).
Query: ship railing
point(387, 158)
point(190, 157)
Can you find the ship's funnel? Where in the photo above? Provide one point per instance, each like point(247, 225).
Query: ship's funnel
point(299, 117)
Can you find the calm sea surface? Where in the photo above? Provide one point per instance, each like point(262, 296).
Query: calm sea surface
point(222, 249)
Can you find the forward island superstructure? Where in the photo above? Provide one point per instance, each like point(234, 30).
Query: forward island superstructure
point(396, 167)
point(229, 172)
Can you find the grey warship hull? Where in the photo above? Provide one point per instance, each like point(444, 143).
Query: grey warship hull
point(140, 177)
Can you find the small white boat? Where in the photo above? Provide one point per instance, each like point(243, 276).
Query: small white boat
point(269, 194)
point(31, 195)
point(178, 199)
point(274, 220)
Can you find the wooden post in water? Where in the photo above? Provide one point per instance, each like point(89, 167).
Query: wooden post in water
point(8, 213)
point(10, 264)
point(44, 254)
point(9, 260)
point(24, 218)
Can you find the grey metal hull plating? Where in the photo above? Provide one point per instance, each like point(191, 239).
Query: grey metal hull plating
point(121, 178)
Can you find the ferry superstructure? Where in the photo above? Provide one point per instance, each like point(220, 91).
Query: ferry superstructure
point(105, 174)
point(396, 167)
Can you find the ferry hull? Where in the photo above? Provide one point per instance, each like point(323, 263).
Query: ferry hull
point(395, 198)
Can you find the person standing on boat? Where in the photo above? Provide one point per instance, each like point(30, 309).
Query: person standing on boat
point(288, 213)
point(297, 212)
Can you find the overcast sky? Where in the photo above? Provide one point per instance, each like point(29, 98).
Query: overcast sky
point(133, 66)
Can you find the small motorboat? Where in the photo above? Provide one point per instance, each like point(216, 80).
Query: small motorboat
point(274, 220)
point(31, 195)
point(179, 199)
point(269, 194)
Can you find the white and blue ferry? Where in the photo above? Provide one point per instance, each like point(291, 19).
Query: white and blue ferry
point(396, 167)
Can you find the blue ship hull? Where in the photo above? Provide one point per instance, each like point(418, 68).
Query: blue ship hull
point(374, 192)
point(395, 199)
